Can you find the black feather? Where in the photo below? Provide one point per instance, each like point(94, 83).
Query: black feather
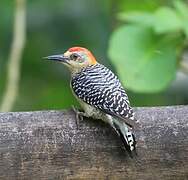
point(126, 145)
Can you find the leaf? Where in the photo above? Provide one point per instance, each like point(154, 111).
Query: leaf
point(144, 61)
point(143, 18)
point(163, 20)
point(181, 8)
point(144, 5)
point(166, 20)
point(182, 11)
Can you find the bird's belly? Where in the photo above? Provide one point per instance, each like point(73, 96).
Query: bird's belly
point(91, 111)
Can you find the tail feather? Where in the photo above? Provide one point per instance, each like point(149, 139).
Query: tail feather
point(126, 136)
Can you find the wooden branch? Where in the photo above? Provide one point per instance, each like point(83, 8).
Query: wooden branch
point(48, 145)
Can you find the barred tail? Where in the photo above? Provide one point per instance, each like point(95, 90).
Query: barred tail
point(126, 135)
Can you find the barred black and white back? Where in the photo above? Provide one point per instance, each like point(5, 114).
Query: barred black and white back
point(98, 86)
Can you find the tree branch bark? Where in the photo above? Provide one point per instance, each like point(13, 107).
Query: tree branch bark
point(48, 145)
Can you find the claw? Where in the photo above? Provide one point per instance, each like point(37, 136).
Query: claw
point(79, 116)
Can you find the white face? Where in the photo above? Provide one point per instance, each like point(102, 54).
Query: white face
point(77, 60)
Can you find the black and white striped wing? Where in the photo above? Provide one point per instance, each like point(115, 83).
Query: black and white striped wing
point(98, 86)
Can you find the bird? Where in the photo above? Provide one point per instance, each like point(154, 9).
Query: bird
point(100, 93)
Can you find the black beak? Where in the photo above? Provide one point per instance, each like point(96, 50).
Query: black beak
point(59, 57)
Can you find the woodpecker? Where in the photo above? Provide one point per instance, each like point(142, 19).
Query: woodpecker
point(99, 93)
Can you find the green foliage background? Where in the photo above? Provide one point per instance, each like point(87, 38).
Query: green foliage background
point(149, 45)
point(121, 34)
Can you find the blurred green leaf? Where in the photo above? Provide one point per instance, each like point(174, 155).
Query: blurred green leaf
point(182, 10)
point(186, 30)
point(166, 20)
point(163, 20)
point(144, 62)
point(144, 18)
point(144, 5)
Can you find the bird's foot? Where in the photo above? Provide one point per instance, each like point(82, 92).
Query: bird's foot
point(79, 116)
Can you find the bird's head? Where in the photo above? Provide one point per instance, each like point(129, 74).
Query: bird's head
point(75, 58)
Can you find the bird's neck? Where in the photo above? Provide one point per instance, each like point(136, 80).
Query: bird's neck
point(77, 70)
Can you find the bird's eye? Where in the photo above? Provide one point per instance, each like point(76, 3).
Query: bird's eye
point(74, 56)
